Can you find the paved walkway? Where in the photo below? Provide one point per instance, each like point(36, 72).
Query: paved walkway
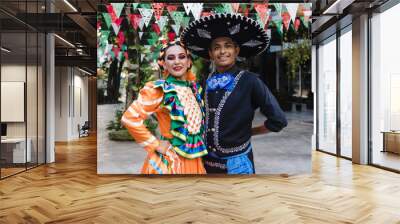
point(288, 151)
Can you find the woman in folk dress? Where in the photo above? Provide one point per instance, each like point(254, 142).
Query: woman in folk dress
point(177, 104)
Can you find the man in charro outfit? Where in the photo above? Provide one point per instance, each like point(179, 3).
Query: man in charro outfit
point(231, 94)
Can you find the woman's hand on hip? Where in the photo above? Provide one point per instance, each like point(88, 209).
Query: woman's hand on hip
point(163, 147)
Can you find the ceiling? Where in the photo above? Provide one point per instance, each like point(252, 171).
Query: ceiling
point(76, 25)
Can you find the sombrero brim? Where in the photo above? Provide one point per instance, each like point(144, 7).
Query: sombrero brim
point(247, 33)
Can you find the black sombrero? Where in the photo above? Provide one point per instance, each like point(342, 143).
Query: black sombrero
point(246, 32)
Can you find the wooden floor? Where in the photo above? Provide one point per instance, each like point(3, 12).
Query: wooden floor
point(70, 191)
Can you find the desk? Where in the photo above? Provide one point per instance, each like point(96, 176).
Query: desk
point(16, 147)
point(391, 141)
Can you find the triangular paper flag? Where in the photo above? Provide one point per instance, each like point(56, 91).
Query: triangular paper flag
point(262, 10)
point(177, 17)
point(121, 38)
point(197, 8)
point(142, 57)
point(109, 48)
point(158, 9)
point(219, 9)
point(115, 28)
point(118, 8)
point(107, 19)
point(104, 37)
point(140, 35)
point(278, 7)
point(135, 20)
point(297, 24)
point(141, 24)
point(185, 21)
point(235, 7)
point(292, 9)
point(171, 8)
point(278, 24)
point(305, 23)
point(135, 5)
point(147, 14)
point(227, 7)
point(111, 12)
point(188, 7)
point(162, 22)
point(156, 28)
point(176, 28)
point(116, 51)
point(286, 20)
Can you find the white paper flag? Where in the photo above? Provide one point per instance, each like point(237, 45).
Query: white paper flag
point(162, 22)
point(141, 24)
point(115, 28)
point(140, 35)
point(135, 5)
point(292, 9)
point(146, 15)
point(197, 8)
point(176, 28)
point(188, 7)
point(118, 8)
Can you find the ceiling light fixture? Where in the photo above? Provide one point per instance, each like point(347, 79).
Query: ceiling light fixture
point(5, 50)
point(337, 7)
point(84, 71)
point(64, 40)
point(70, 5)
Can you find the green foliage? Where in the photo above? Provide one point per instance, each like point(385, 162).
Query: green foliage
point(120, 135)
point(297, 54)
point(116, 123)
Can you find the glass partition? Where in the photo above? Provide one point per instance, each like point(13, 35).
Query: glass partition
point(327, 95)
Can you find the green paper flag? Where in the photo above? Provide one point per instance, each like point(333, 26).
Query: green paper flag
point(177, 17)
point(135, 5)
point(118, 8)
point(219, 9)
point(227, 7)
point(145, 5)
point(305, 23)
point(278, 7)
point(146, 14)
point(185, 21)
point(279, 26)
point(124, 47)
point(162, 22)
point(104, 37)
point(107, 19)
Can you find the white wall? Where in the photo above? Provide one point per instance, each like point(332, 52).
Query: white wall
point(71, 94)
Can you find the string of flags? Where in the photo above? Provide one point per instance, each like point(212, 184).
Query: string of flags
point(163, 21)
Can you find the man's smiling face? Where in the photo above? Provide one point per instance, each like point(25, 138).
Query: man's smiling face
point(223, 52)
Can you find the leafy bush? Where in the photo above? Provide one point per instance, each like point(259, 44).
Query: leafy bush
point(120, 135)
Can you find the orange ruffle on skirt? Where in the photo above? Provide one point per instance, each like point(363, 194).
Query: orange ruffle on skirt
point(153, 165)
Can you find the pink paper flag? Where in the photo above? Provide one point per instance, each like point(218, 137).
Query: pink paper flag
point(110, 11)
point(235, 7)
point(171, 8)
point(158, 9)
point(135, 20)
point(156, 28)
